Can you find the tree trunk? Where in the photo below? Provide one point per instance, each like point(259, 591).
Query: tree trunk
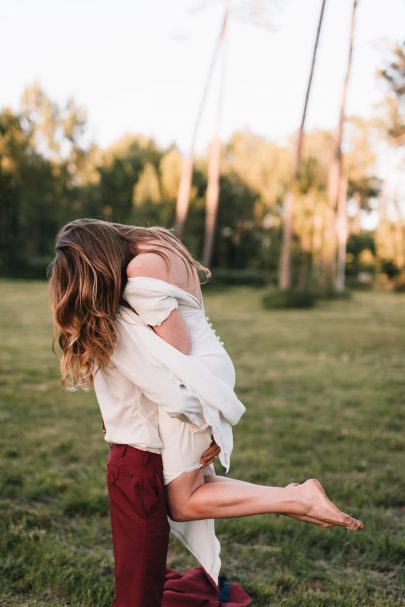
point(183, 196)
point(214, 161)
point(342, 236)
point(335, 172)
point(212, 200)
point(399, 237)
point(318, 220)
point(285, 258)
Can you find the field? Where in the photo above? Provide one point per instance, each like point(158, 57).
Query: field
point(324, 391)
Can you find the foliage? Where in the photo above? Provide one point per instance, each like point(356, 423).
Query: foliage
point(50, 173)
point(253, 278)
point(361, 253)
point(399, 283)
point(275, 299)
point(393, 74)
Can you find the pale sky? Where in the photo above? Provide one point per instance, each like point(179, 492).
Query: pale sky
point(138, 66)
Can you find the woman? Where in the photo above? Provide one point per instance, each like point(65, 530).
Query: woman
point(128, 307)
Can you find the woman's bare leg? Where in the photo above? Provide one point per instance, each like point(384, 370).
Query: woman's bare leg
point(191, 498)
point(307, 519)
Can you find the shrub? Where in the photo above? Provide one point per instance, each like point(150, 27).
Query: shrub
point(275, 299)
point(333, 294)
point(399, 283)
point(222, 276)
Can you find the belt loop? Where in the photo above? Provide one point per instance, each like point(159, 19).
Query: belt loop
point(146, 457)
point(124, 448)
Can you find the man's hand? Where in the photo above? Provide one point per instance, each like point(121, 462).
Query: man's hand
point(208, 457)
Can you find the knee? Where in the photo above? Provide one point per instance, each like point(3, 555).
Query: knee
point(182, 512)
point(178, 513)
point(177, 516)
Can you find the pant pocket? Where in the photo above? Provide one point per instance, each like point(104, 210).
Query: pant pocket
point(150, 493)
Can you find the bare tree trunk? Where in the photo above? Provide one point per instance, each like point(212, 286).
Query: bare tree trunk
point(318, 222)
point(285, 258)
point(214, 161)
point(342, 236)
point(335, 172)
point(399, 236)
point(212, 200)
point(183, 196)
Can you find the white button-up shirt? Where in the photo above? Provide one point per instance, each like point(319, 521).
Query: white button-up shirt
point(145, 372)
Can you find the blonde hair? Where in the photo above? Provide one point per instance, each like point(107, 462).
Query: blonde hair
point(87, 278)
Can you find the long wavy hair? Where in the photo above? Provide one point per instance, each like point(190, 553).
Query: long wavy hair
point(87, 278)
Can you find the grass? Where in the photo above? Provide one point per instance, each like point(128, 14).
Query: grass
point(324, 391)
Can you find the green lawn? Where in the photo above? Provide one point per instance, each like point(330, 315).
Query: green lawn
point(324, 391)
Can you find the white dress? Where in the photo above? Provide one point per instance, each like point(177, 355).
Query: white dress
point(208, 362)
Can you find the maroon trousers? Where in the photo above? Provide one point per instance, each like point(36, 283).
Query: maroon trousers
point(140, 529)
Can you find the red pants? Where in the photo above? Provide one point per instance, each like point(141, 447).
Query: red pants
point(140, 529)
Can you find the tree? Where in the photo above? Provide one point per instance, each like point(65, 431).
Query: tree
point(146, 190)
point(215, 157)
point(119, 169)
point(257, 13)
point(183, 197)
point(56, 131)
point(394, 76)
point(363, 186)
point(34, 198)
point(170, 173)
point(330, 277)
point(285, 258)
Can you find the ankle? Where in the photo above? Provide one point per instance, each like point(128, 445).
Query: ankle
point(297, 501)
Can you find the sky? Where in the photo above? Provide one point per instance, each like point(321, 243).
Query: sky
point(139, 66)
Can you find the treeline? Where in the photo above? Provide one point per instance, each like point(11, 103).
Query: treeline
point(50, 174)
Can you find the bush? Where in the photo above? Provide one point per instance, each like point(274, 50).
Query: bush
point(354, 283)
point(333, 294)
point(22, 268)
point(223, 276)
point(399, 283)
point(389, 268)
point(275, 299)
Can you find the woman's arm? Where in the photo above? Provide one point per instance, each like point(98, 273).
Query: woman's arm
point(173, 329)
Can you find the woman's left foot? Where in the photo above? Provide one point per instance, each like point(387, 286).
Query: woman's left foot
point(323, 509)
point(307, 519)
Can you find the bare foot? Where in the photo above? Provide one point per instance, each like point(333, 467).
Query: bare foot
point(323, 509)
point(308, 519)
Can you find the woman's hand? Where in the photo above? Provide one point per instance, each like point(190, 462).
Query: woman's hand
point(209, 455)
